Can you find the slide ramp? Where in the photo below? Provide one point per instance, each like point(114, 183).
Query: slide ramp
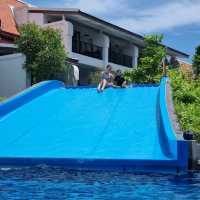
point(126, 129)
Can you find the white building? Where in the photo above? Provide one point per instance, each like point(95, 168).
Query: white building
point(92, 41)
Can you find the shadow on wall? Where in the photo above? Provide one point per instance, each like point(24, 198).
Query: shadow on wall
point(13, 77)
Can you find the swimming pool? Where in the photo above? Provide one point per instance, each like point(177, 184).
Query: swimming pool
point(51, 183)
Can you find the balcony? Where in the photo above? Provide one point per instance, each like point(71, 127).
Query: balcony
point(120, 59)
point(87, 49)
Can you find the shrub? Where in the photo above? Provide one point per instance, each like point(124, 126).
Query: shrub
point(149, 68)
point(94, 77)
point(186, 95)
point(45, 53)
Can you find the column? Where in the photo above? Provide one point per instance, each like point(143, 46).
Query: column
point(135, 56)
point(67, 39)
point(105, 53)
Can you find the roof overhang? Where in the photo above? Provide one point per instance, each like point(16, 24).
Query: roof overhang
point(106, 27)
point(6, 49)
point(8, 35)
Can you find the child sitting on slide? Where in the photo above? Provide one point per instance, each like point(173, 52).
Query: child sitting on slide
point(106, 79)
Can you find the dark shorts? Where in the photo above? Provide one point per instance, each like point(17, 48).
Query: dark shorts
point(119, 80)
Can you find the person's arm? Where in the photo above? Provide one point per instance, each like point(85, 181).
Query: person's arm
point(115, 83)
point(102, 73)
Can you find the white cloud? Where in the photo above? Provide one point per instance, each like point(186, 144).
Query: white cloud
point(150, 19)
point(95, 6)
point(106, 9)
point(164, 17)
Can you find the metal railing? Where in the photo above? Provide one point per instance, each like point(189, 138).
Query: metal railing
point(86, 49)
point(120, 59)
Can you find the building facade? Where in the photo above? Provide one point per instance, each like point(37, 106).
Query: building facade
point(95, 43)
point(90, 40)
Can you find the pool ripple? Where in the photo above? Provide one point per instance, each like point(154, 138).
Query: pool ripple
point(45, 182)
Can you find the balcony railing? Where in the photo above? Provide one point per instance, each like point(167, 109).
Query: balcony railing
point(120, 59)
point(86, 49)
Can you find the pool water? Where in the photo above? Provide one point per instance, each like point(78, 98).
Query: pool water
point(44, 182)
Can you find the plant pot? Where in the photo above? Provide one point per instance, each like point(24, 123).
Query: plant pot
point(188, 135)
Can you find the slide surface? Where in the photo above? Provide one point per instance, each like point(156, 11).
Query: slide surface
point(119, 128)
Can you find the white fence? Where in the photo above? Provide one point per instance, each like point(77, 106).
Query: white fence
point(13, 77)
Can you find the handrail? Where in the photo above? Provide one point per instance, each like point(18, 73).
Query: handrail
point(165, 123)
point(86, 48)
point(178, 148)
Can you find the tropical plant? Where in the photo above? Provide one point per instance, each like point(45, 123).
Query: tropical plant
point(186, 95)
point(44, 51)
point(149, 68)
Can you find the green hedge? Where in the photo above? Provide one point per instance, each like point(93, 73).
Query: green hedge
point(186, 95)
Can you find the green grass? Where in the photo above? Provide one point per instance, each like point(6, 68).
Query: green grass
point(186, 96)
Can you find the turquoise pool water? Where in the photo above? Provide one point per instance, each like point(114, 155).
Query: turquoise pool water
point(44, 182)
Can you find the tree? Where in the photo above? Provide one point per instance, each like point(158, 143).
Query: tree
point(149, 66)
point(196, 62)
point(44, 51)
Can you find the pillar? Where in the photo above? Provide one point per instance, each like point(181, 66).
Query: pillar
point(67, 37)
point(105, 53)
point(135, 56)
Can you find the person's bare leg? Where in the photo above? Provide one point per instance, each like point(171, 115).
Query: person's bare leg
point(110, 84)
point(99, 86)
point(124, 85)
point(103, 85)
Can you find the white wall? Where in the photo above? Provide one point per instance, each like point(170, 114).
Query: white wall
point(12, 75)
point(93, 62)
point(21, 16)
point(37, 18)
point(115, 67)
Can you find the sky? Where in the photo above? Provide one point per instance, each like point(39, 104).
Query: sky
point(177, 20)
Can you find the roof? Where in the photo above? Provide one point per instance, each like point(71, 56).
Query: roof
point(8, 27)
point(78, 12)
point(7, 20)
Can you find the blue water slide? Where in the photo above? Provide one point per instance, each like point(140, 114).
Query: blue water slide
point(119, 129)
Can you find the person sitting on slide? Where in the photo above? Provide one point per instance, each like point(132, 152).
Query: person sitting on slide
point(119, 80)
point(106, 79)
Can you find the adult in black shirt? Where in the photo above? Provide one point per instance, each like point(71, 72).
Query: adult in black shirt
point(119, 80)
